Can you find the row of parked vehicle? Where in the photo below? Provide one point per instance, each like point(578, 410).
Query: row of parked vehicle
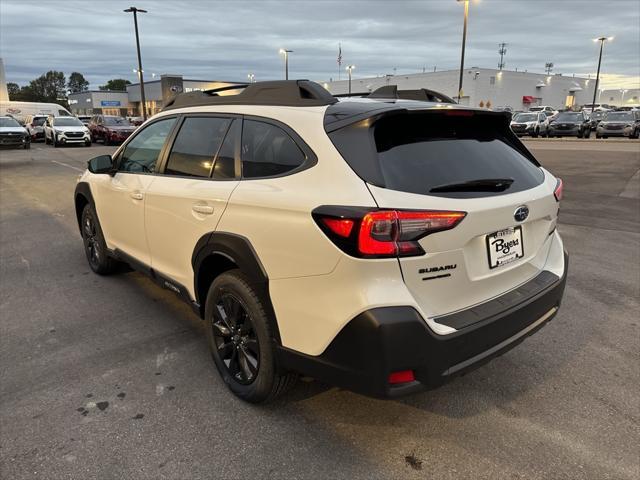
point(65, 130)
point(547, 122)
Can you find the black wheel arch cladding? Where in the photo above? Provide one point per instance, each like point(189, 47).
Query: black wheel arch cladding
point(240, 252)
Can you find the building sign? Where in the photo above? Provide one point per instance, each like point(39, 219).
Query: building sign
point(110, 103)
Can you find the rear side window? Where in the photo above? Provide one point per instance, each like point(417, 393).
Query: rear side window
point(423, 153)
point(196, 145)
point(267, 150)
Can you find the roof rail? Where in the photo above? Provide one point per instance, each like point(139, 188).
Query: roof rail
point(421, 94)
point(290, 93)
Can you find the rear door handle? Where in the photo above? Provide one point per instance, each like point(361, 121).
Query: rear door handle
point(137, 195)
point(203, 209)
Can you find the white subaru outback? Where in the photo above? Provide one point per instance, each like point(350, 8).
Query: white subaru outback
point(378, 244)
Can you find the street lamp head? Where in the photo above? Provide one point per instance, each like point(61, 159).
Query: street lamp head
point(284, 51)
point(602, 39)
point(134, 9)
point(350, 67)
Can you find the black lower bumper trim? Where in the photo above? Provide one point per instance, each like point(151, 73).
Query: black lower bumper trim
point(389, 339)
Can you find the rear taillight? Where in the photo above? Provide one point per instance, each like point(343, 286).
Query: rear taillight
point(367, 233)
point(403, 376)
point(558, 190)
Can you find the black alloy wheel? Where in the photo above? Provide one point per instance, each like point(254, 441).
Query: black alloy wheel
point(235, 338)
point(91, 243)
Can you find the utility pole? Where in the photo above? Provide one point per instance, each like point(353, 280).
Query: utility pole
point(464, 41)
point(548, 67)
point(502, 50)
point(140, 72)
point(595, 90)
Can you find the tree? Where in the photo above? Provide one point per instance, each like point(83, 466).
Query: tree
point(77, 83)
point(49, 87)
point(13, 89)
point(118, 84)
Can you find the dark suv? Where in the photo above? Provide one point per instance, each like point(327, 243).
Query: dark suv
point(570, 124)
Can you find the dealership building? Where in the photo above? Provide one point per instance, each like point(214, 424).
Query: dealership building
point(485, 87)
point(129, 103)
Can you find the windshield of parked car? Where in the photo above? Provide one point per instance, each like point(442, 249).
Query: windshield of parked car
point(8, 122)
point(569, 117)
point(619, 117)
point(67, 122)
point(526, 117)
point(116, 121)
point(38, 121)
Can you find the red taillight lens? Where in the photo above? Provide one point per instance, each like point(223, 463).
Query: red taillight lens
point(403, 376)
point(382, 233)
point(339, 226)
point(558, 191)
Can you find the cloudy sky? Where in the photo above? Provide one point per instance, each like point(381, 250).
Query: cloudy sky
point(226, 40)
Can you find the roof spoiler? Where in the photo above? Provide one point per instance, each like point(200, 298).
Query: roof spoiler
point(290, 93)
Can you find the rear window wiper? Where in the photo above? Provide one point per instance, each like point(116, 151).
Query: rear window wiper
point(481, 185)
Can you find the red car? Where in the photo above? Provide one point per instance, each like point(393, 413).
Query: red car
point(110, 129)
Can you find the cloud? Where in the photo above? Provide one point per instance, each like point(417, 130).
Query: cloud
point(228, 40)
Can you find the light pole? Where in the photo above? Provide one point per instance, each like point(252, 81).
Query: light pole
point(350, 69)
point(623, 91)
point(595, 89)
point(464, 41)
point(251, 77)
point(140, 71)
point(286, 62)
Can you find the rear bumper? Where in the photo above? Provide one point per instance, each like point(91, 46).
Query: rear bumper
point(390, 339)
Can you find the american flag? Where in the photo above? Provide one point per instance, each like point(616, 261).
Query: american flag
point(339, 54)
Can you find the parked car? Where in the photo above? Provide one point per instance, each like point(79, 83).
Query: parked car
point(543, 108)
point(595, 118)
point(12, 134)
point(297, 226)
point(35, 126)
point(588, 108)
point(66, 131)
point(110, 129)
point(570, 124)
point(619, 124)
point(531, 123)
point(85, 119)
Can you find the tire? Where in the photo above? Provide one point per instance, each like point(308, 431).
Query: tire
point(598, 135)
point(87, 143)
point(604, 136)
point(247, 345)
point(27, 146)
point(105, 140)
point(95, 247)
point(535, 134)
point(587, 134)
point(55, 142)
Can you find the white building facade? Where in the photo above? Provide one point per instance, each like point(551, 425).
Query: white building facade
point(484, 87)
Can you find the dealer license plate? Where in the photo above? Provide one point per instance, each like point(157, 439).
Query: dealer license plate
point(505, 246)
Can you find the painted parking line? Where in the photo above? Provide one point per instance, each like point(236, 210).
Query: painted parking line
point(68, 166)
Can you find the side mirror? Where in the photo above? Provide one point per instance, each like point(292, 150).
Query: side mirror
point(101, 164)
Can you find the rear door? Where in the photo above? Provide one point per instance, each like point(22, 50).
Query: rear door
point(465, 162)
point(190, 195)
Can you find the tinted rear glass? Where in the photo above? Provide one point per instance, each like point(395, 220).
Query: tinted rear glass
point(416, 153)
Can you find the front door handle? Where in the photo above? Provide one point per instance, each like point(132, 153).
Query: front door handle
point(137, 195)
point(203, 209)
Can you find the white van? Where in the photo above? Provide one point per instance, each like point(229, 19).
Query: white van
point(20, 110)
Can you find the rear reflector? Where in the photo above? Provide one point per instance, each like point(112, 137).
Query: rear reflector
point(558, 191)
point(403, 376)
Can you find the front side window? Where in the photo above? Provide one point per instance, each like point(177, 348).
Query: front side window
point(196, 145)
point(267, 150)
point(142, 152)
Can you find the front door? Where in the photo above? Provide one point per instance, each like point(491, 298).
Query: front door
point(188, 198)
point(121, 198)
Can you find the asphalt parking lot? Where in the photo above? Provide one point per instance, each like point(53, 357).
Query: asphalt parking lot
point(110, 377)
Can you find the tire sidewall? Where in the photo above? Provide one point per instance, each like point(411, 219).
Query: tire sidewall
point(235, 283)
point(104, 265)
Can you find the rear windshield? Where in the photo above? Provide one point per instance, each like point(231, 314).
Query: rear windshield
point(38, 121)
point(418, 153)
